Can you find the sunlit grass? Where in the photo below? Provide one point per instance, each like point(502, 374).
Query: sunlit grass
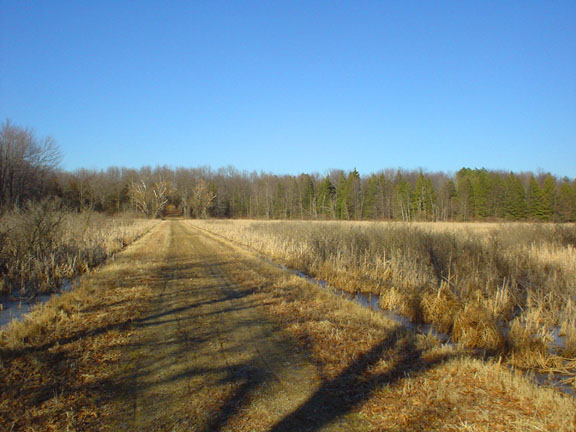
point(503, 288)
point(43, 245)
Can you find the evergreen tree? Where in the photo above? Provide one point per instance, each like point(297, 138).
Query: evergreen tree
point(548, 197)
point(465, 193)
point(535, 201)
point(481, 185)
point(386, 197)
point(423, 197)
point(372, 191)
point(342, 198)
point(403, 194)
point(497, 196)
point(326, 198)
point(307, 195)
point(566, 203)
point(515, 204)
point(354, 195)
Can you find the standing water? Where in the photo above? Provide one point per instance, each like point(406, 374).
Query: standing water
point(558, 381)
point(16, 307)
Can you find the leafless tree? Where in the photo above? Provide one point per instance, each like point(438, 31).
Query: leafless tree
point(201, 199)
point(25, 163)
point(150, 199)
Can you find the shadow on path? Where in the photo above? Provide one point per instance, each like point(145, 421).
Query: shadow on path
point(350, 388)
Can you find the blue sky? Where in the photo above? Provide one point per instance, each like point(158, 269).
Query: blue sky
point(296, 86)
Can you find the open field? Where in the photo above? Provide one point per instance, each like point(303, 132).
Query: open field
point(185, 331)
point(506, 289)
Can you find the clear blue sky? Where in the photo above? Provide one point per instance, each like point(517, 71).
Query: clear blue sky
point(296, 86)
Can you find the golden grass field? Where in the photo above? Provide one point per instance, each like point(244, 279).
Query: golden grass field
point(507, 289)
point(186, 330)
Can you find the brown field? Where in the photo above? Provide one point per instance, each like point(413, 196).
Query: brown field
point(186, 331)
point(506, 289)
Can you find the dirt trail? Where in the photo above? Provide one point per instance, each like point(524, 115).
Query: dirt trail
point(204, 356)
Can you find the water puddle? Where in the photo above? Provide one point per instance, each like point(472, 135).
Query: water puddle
point(557, 381)
point(558, 339)
point(15, 307)
point(370, 301)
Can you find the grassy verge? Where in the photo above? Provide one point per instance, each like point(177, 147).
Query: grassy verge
point(505, 289)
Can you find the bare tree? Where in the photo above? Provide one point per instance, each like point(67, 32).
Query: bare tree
point(201, 199)
point(149, 199)
point(25, 164)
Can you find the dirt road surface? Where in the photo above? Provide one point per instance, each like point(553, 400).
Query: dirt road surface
point(205, 357)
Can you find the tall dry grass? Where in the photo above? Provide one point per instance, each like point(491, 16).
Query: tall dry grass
point(502, 288)
point(42, 245)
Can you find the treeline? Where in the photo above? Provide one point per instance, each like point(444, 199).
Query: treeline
point(471, 194)
point(28, 170)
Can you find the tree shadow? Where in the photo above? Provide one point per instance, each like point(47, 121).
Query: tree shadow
point(252, 378)
point(144, 321)
point(342, 394)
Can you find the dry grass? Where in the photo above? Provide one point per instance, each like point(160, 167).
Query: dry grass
point(471, 280)
point(411, 382)
point(58, 365)
point(42, 245)
point(61, 363)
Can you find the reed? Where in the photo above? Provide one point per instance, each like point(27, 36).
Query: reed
point(43, 245)
point(488, 285)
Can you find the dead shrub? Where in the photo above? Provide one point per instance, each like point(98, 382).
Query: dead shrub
point(43, 244)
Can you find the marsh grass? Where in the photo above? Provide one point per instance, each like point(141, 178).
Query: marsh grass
point(42, 245)
point(501, 288)
point(441, 388)
point(59, 362)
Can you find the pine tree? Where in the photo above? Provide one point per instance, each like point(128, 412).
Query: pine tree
point(342, 211)
point(465, 193)
point(549, 197)
point(355, 198)
point(535, 201)
point(515, 204)
point(370, 209)
point(423, 197)
point(403, 193)
point(481, 185)
point(497, 196)
point(307, 195)
point(326, 198)
point(566, 203)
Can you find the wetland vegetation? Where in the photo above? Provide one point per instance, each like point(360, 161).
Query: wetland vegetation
point(181, 323)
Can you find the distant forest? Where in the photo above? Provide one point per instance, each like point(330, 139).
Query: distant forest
point(29, 170)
